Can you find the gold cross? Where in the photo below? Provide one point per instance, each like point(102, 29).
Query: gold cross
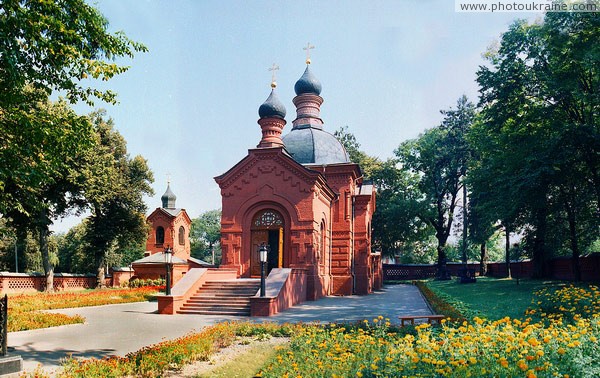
point(273, 70)
point(168, 178)
point(308, 48)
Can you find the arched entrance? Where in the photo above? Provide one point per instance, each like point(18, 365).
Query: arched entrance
point(267, 228)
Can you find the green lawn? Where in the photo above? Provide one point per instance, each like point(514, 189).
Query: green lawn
point(490, 297)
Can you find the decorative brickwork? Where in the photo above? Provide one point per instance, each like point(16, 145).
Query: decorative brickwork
point(23, 282)
point(321, 210)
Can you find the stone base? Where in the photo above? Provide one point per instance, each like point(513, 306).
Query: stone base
point(10, 366)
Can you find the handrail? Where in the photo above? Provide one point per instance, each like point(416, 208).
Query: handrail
point(284, 287)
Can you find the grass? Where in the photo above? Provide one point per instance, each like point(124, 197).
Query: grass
point(491, 298)
point(244, 365)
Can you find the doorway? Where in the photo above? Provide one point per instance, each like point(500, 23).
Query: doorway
point(267, 228)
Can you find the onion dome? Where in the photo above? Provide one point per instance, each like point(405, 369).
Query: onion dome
point(307, 83)
point(272, 107)
point(310, 145)
point(307, 142)
point(168, 199)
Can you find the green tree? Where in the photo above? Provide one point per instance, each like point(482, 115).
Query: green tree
point(397, 229)
point(205, 235)
point(538, 143)
point(114, 186)
point(370, 166)
point(57, 46)
point(73, 251)
point(438, 160)
point(49, 46)
point(48, 140)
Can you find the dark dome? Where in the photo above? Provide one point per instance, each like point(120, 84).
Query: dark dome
point(314, 146)
point(168, 199)
point(272, 107)
point(307, 83)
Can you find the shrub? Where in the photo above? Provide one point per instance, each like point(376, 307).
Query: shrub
point(137, 282)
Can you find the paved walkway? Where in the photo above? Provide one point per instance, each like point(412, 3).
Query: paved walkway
point(121, 329)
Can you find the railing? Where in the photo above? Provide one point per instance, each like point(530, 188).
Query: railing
point(559, 268)
point(28, 282)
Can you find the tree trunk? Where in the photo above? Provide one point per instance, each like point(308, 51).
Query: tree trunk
point(507, 251)
point(483, 260)
point(100, 278)
point(43, 240)
point(539, 246)
point(464, 230)
point(574, 244)
point(442, 269)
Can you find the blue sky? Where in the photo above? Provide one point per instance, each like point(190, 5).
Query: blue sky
point(190, 105)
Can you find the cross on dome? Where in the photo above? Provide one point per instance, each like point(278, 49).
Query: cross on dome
point(308, 48)
point(274, 68)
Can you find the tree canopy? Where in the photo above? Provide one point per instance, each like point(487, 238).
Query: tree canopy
point(50, 48)
point(114, 188)
point(537, 142)
point(56, 46)
point(205, 235)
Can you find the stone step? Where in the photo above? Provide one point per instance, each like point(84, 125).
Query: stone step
point(209, 300)
point(215, 307)
point(221, 294)
point(222, 312)
point(230, 297)
point(229, 287)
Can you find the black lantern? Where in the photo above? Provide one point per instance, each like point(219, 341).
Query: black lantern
point(263, 251)
point(169, 262)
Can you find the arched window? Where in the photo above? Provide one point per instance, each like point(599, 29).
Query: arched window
point(160, 235)
point(267, 219)
point(181, 235)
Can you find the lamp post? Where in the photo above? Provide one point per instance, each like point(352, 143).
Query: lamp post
point(263, 251)
point(168, 261)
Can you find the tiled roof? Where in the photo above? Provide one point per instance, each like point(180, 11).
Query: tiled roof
point(158, 258)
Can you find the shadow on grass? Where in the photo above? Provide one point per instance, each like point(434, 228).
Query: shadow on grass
point(494, 298)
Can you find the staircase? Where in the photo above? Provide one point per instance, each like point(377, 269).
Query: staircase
point(231, 297)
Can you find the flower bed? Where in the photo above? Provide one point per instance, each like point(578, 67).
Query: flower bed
point(503, 348)
point(156, 360)
point(546, 346)
point(23, 310)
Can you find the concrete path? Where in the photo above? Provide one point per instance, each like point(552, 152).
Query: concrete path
point(121, 329)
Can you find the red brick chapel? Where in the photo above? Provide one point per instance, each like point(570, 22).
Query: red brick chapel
point(300, 195)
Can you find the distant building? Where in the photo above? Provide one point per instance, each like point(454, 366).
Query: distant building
point(170, 228)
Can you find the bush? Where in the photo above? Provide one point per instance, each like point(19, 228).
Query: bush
point(137, 282)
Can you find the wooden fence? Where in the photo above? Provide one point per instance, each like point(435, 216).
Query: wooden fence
point(559, 268)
